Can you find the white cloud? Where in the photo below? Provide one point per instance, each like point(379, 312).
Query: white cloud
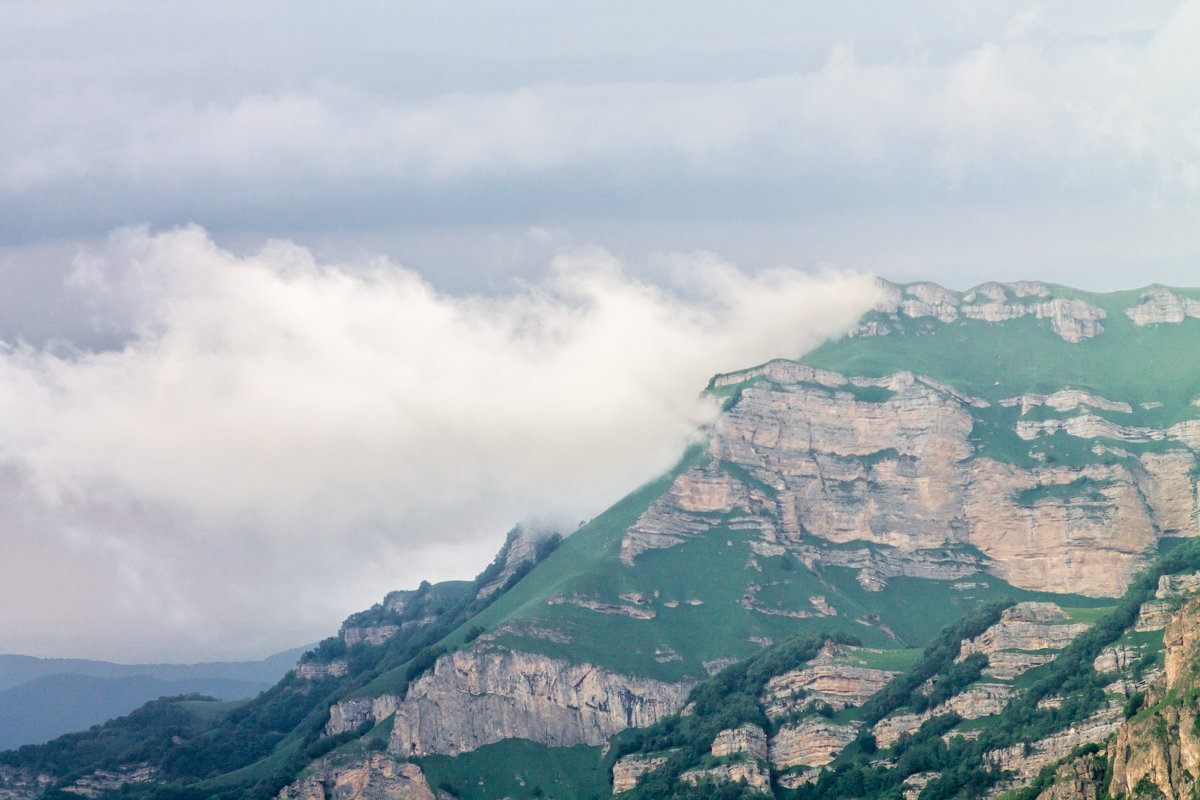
point(280, 441)
point(1010, 100)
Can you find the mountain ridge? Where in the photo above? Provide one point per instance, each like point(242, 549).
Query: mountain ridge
point(1024, 443)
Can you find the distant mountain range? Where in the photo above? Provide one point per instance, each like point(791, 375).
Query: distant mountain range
point(41, 698)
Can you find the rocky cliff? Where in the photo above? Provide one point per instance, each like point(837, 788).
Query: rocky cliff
point(1159, 749)
point(483, 695)
point(377, 777)
point(901, 471)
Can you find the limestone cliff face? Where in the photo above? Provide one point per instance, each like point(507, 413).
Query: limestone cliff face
point(898, 470)
point(475, 697)
point(751, 774)
point(1160, 306)
point(378, 777)
point(1025, 626)
point(349, 714)
point(747, 739)
point(839, 685)
point(1072, 319)
point(1161, 747)
point(629, 769)
point(811, 742)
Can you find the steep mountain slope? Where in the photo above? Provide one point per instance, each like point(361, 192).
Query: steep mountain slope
point(946, 506)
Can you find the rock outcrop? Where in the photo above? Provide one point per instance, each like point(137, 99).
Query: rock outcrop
point(629, 769)
point(349, 714)
point(475, 697)
point(1072, 319)
point(1025, 626)
point(1025, 762)
point(1079, 779)
point(812, 742)
point(103, 781)
point(1159, 749)
point(372, 634)
point(1160, 306)
point(22, 784)
point(378, 777)
point(839, 685)
point(978, 700)
point(316, 670)
point(747, 739)
point(751, 774)
point(891, 482)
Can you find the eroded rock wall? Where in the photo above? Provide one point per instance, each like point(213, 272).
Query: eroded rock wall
point(475, 697)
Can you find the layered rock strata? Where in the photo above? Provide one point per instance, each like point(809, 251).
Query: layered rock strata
point(1160, 748)
point(812, 742)
point(978, 700)
point(629, 769)
point(1025, 626)
point(748, 739)
point(476, 697)
point(378, 777)
point(1159, 306)
point(751, 774)
point(890, 484)
point(349, 714)
point(1072, 319)
point(839, 685)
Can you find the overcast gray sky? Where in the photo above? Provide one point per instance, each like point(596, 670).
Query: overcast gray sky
point(301, 304)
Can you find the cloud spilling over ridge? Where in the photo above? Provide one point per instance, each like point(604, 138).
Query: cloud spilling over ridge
point(280, 441)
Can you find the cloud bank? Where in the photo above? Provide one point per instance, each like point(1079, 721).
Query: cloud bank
point(1015, 140)
point(280, 441)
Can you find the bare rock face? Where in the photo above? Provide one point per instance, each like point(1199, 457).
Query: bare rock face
point(836, 684)
point(914, 783)
point(1072, 319)
point(1170, 586)
point(475, 697)
point(1116, 657)
point(895, 470)
point(1179, 639)
point(1084, 544)
point(812, 742)
point(1067, 400)
point(315, 671)
point(349, 714)
point(373, 634)
point(1027, 762)
point(978, 700)
point(378, 777)
point(1160, 306)
point(1152, 616)
point(1161, 747)
point(1170, 492)
point(748, 739)
point(629, 769)
point(103, 781)
point(751, 774)
point(1025, 626)
point(519, 549)
point(1080, 779)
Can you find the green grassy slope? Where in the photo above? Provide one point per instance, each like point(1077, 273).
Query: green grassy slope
point(1154, 363)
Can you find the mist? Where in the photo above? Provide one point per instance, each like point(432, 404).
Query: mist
point(275, 441)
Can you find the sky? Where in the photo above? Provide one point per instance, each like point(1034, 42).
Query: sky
point(303, 303)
